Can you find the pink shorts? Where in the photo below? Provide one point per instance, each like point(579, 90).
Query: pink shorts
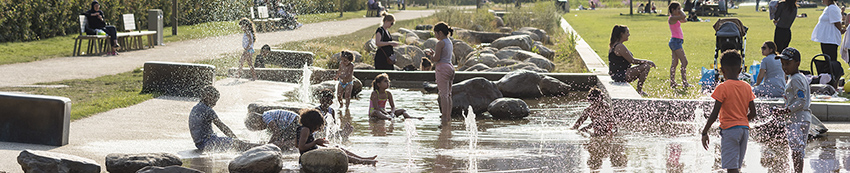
point(445, 74)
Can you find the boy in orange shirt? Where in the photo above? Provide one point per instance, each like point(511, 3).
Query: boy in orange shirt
point(732, 99)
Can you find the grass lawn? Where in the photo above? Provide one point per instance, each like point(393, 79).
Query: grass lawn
point(650, 34)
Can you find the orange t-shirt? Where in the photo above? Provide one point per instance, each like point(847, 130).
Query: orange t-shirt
point(735, 96)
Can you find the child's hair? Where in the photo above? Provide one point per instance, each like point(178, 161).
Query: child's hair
point(247, 22)
point(616, 33)
point(594, 93)
point(255, 122)
point(772, 46)
point(443, 27)
point(378, 79)
point(266, 48)
point(326, 93)
point(347, 55)
point(731, 60)
point(426, 62)
point(387, 16)
point(209, 91)
point(673, 5)
point(311, 118)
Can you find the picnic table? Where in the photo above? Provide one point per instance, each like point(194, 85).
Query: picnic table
point(710, 10)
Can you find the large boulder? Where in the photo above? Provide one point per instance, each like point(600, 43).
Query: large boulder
point(363, 66)
point(265, 158)
point(414, 54)
point(357, 56)
point(523, 41)
point(370, 46)
point(461, 49)
point(130, 163)
point(430, 43)
point(477, 92)
point(477, 67)
point(168, 169)
point(508, 108)
point(424, 27)
point(506, 62)
point(484, 58)
point(324, 160)
point(543, 63)
point(499, 21)
point(550, 86)
point(529, 33)
point(45, 161)
point(423, 34)
point(508, 52)
point(524, 55)
point(544, 37)
point(543, 50)
point(519, 66)
point(405, 31)
point(413, 41)
point(396, 36)
point(485, 37)
point(520, 84)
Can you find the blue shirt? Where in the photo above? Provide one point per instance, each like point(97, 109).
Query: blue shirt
point(200, 123)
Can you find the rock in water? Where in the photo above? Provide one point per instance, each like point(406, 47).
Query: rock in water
point(520, 84)
point(168, 169)
point(508, 108)
point(130, 163)
point(266, 158)
point(45, 161)
point(324, 160)
point(477, 92)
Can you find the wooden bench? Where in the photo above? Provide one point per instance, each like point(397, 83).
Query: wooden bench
point(263, 23)
point(99, 44)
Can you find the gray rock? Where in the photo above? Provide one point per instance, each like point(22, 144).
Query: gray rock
point(520, 84)
point(424, 27)
point(324, 160)
point(544, 51)
point(543, 63)
point(412, 35)
point(485, 37)
point(519, 66)
point(414, 54)
point(477, 67)
point(413, 41)
point(370, 46)
point(524, 55)
point(461, 49)
point(130, 163)
point(405, 31)
point(477, 27)
point(357, 56)
point(550, 86)
point(499, 21)
point(430, 43)
point(423, 34)
point(168, 169)
point(523, 41)
point(45, 161)
point(506, 53)
point(265, 158)
point(477, 92)
point(332, 85)
point(396, 36)
point(508, 108)
point(506, 62)
point(529, 33)
point(544, 37)
point(506, 29)
point(484, 58)
point(363, 66)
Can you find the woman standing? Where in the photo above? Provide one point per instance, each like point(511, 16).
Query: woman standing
point(783, 18)
point(771, 78)
point(828, 32)
point(620, 60)
point(677, 38)
point(444, 70)
point(385, 44)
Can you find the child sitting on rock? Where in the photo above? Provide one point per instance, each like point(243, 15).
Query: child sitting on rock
point(281, 124)
point(599, 113)
point(312, 121)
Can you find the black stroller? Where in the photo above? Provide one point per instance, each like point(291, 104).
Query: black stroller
point(730, 34)
point(829, 65)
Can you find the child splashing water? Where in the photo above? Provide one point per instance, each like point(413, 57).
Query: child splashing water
point(599, 113)
point(677, 17)
point(247, 44)
point(312, 121)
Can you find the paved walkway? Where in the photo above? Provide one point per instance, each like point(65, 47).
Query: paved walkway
point(84, 67)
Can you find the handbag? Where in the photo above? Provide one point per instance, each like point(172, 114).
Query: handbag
point(391, 58)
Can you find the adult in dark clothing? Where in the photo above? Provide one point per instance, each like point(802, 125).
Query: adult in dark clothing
point(385, 44)
point(95, 22)
point(620, 60)
point(786, 12)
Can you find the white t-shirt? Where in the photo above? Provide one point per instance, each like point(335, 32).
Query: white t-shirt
point(825, 31)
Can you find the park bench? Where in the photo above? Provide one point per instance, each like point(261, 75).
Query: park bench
point(98, 44)
point(263, 22)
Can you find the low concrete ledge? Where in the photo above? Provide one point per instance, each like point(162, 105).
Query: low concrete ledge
point(34, 119)
point(599, 67)
point(684, 109)
point(176, 79)
point(289, 58)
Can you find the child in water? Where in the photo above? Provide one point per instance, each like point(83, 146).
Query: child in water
point(312, 121)
point(600, 115)
point(345, 75)
point(380, 97)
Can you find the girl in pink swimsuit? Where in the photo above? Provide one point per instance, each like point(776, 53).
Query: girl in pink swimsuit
point(677, 17)
point(380, 97)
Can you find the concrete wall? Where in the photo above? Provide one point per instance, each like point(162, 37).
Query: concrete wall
point(176, 79)
point(34, 119)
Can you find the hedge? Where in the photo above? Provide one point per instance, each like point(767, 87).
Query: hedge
point(27, 20)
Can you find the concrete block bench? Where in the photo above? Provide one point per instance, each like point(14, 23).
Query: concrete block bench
point(34, 119)
point(176, 79)
point(290, 59)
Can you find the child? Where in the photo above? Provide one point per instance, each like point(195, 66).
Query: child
point(260, 62)
point(380, 97)
point(600, 115)
point(797, 101)
point(677, 17)
point(248, 44)
point(312, 121)
point(732, 98)
point(326, 100)
point(426, 64)
point(345, 75)
point(280, 123)
point(200, 125)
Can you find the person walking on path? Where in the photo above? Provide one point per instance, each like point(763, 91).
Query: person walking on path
point(247, 44)
point(385, 44)
point(444, 70)
point(828, 32)
point(620, 60)
point(783, 18)
point(677, 17)
point(771, 80)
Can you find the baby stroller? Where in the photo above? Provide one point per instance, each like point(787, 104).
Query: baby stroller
point(730, 34)
point(829, 66)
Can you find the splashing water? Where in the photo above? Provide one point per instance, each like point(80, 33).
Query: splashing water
point(304, 90)
point(410, 133)
point(472, 130)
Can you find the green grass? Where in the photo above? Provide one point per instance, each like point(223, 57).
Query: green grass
point(650, 34)
point(91, 96)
